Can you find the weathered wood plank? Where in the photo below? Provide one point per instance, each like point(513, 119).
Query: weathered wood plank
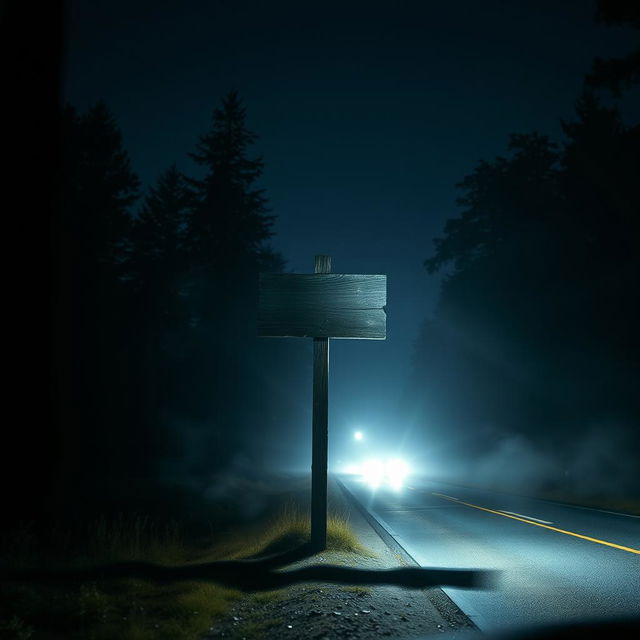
point(319, 291)
point(350, 323)
point(332, 305)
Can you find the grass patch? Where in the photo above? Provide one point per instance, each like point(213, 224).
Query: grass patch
point(357, 590)
point(250, 629)
point(265, 597)
point(127, 609)
point(135, 609)
point(289, 529)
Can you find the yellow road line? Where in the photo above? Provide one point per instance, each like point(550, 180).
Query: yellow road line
point(538, 524)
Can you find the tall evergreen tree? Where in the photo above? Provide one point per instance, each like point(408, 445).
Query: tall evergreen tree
point(99, 188)
point(617, 74)
point(226, 237)
point(97, 192)
point(230, 221)
point(158, 258)
point(157, 279)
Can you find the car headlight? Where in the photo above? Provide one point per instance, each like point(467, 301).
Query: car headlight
point(377, 473)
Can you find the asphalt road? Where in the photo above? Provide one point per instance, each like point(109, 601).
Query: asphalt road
point(557, 563)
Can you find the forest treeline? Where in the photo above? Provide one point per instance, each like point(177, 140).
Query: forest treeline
point(532, 355)
point(159, 374)
point(530, 366)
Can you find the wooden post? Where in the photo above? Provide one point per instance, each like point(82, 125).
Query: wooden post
point(322, 305)
point(320, 435)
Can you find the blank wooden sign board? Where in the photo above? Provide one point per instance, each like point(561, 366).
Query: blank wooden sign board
point(322, 305)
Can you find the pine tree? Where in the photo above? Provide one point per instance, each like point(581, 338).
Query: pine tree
point(98, 189)
point(156, 272)
point(158, 257)
point(617, 74)
point(226, 242)
point(230, 221)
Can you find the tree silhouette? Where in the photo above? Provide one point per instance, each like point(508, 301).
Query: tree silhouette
point(158, 258)
point(158, 306)
point(599, 184)
point(538, 314)
point(230, 220)
point(617, 74)
point(160, 363)
point(216, 381)
point(496, 215)
point(98, 189)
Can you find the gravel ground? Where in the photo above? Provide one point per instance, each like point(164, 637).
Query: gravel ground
point(338, 611)
point(315, 611)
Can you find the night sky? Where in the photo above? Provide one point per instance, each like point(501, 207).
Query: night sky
point(368, 114)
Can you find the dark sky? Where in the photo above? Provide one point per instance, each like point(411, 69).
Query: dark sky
point(368, 114)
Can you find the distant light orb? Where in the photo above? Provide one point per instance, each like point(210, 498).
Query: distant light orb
point(358, 435)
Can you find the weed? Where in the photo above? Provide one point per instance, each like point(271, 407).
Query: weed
point(357, 590)
point(291, 528)
point(251, 629)
point(267, 596)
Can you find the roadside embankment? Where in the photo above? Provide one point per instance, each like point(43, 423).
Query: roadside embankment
point(338, 611)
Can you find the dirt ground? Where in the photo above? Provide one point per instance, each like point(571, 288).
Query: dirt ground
point(319, 611)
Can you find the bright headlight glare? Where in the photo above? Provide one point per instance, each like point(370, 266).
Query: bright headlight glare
point(352, 469)
point(373, 473)
point(377, 473)
point(396, 470)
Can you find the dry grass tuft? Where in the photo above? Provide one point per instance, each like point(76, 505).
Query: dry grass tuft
point(290, 529)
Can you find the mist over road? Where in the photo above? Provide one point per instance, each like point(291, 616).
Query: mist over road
point(557, 562)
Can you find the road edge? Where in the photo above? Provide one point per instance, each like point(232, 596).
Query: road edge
point(442, 602)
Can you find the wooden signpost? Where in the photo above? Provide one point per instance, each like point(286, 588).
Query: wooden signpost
point(322, 305)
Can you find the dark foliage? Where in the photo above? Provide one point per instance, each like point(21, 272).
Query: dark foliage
point(536, 330)
point(160, 377)
point(617, 74)
point(93, 365)
point(618, 12)
point(218, 396)
point(230, 220)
